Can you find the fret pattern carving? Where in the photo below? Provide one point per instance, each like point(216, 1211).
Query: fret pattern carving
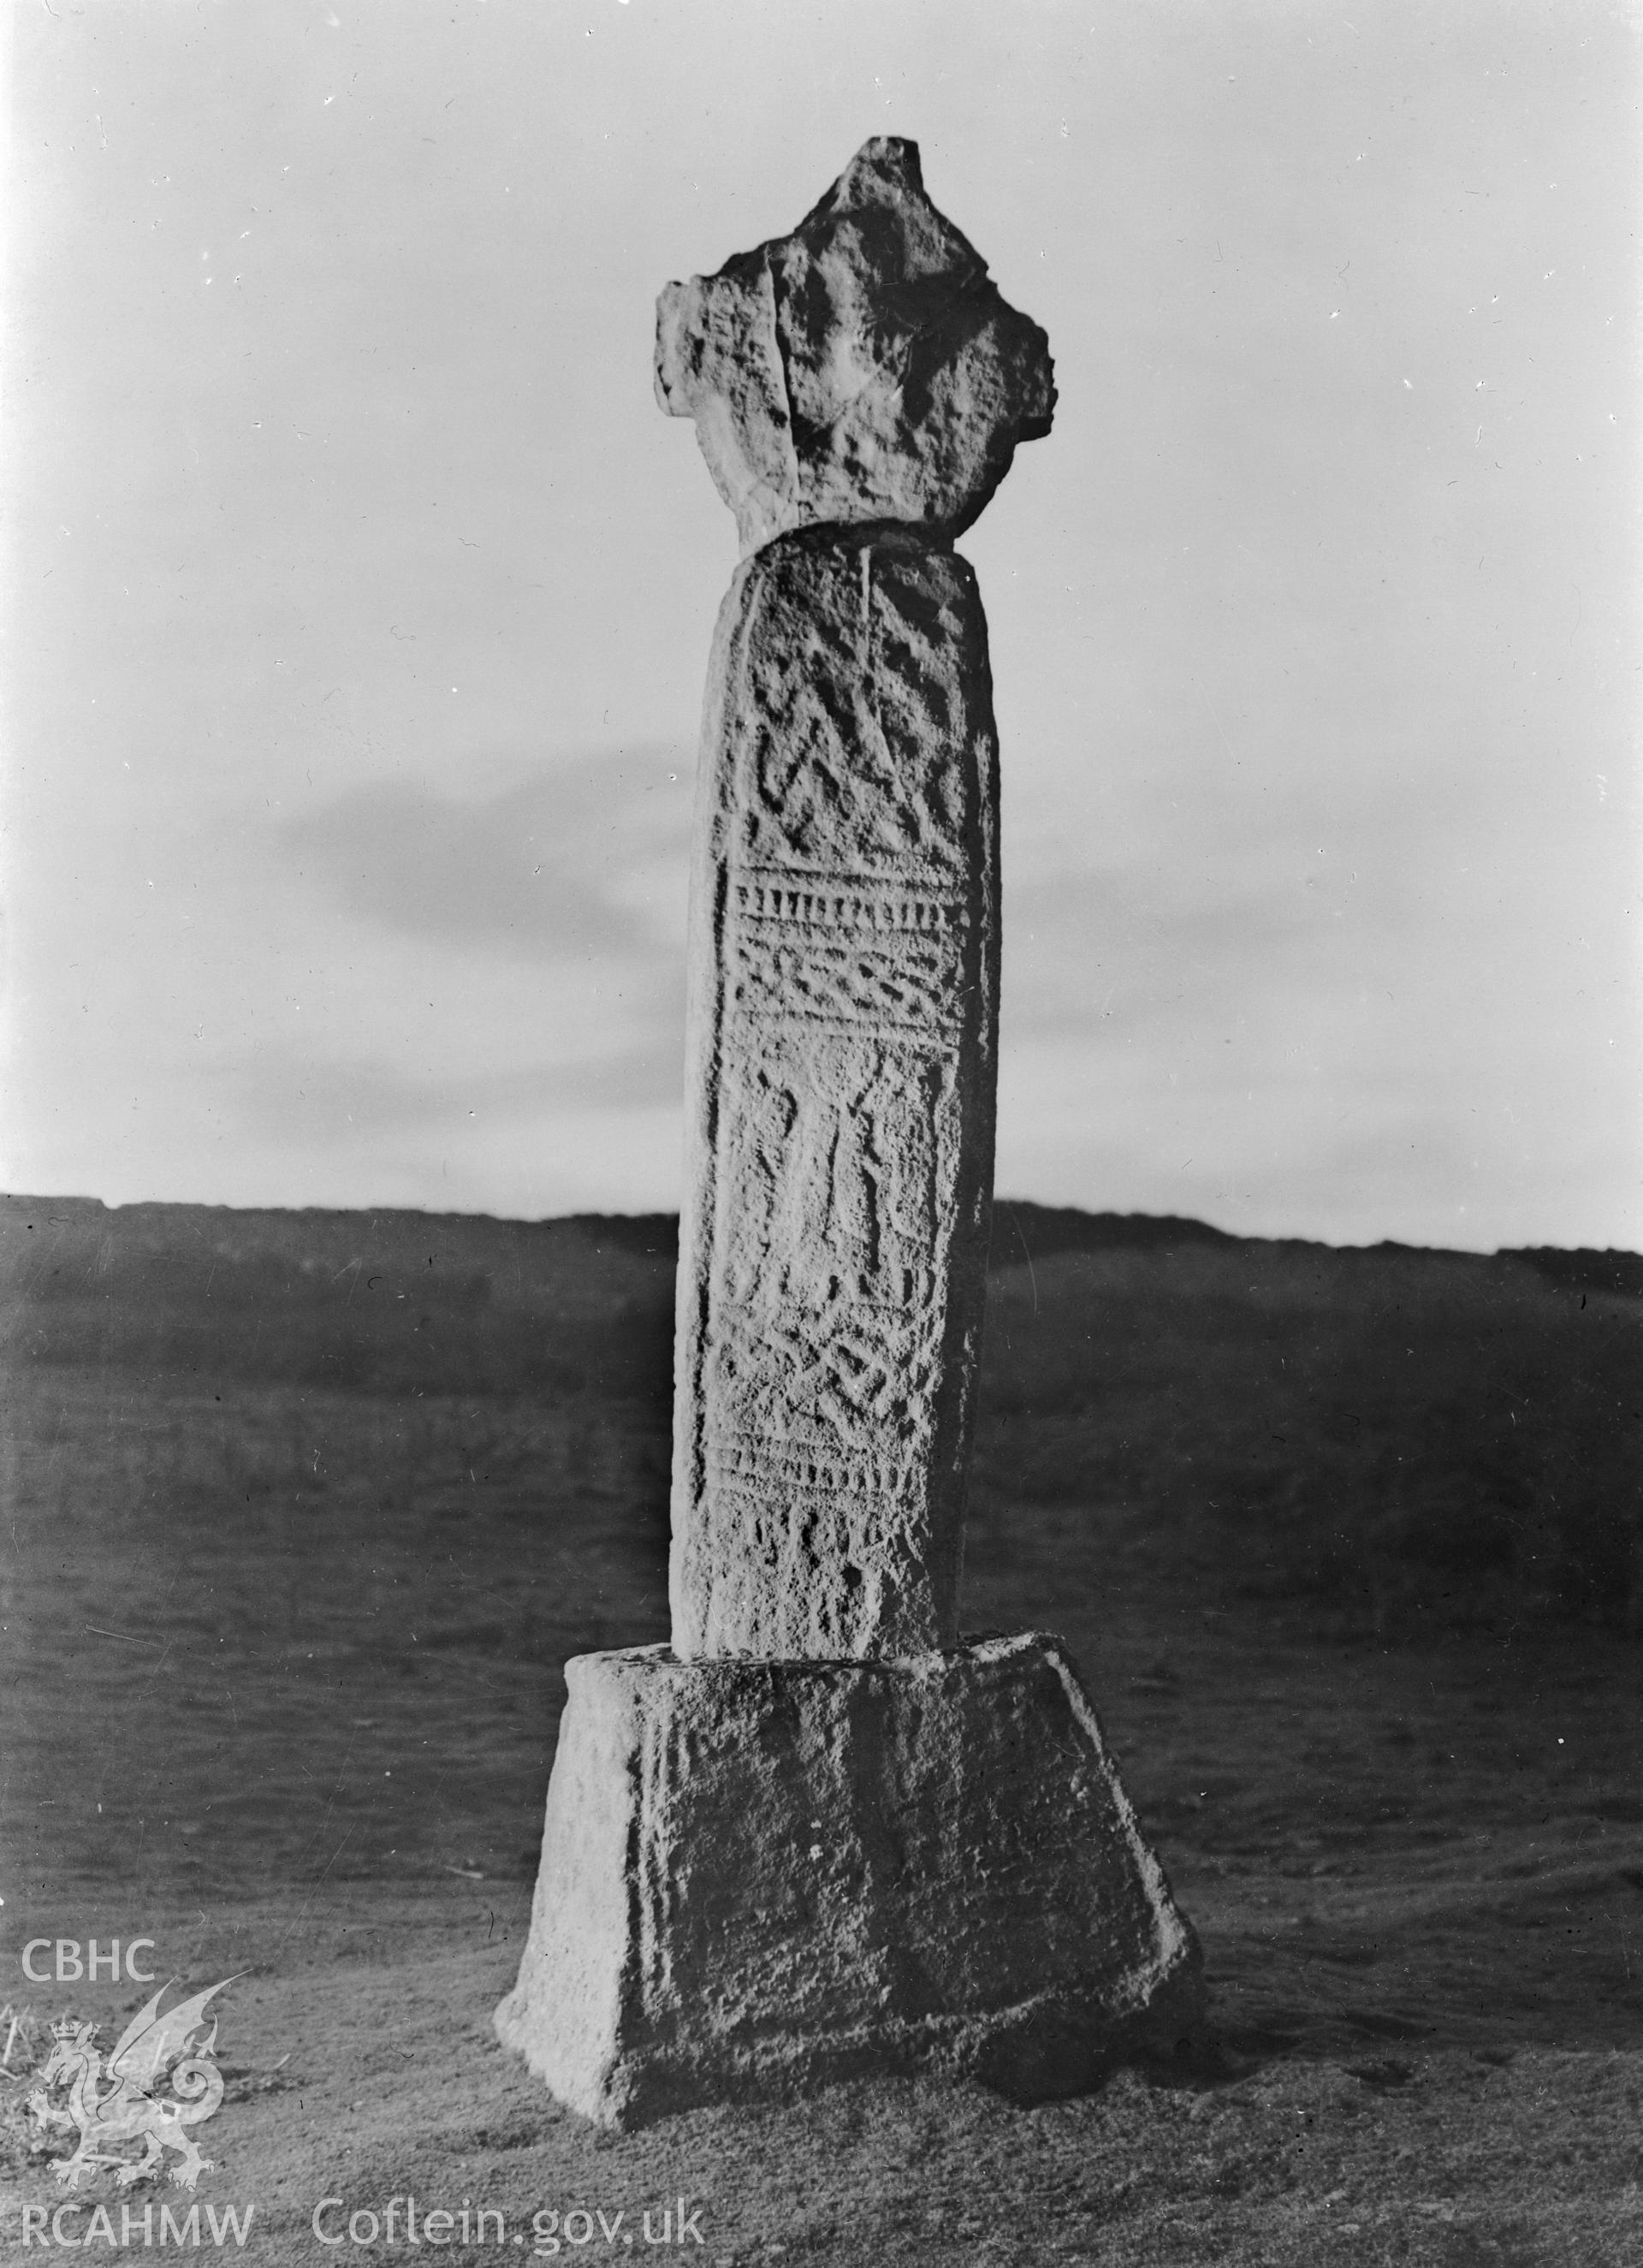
point(842, 1066)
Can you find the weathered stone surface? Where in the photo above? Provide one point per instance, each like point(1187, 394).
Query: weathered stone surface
point(758, 1875)
point(817, 1836)
point(840, 1103)
point(863, 368)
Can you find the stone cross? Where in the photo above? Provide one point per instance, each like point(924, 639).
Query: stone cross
point(858, 389)
point(821, 1833)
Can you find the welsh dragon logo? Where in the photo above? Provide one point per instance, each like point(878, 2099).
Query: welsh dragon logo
point(153, 2050)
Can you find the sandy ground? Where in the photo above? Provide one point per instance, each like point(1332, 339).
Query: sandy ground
point(281, 1675)
point(1403, 2143)
point(1418, 1879)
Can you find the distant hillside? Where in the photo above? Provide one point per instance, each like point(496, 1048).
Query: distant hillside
point(1437, 1434)
point(79, 1232)
point(1401, 1431)
point(383, 1301)
point(1020, 1231)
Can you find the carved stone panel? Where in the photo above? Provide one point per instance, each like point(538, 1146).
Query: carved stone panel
point(862, 369)
point(841, 1092)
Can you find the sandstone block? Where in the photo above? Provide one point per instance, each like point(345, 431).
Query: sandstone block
point(766, 1874)
point(841, 1049)
point(863, 368)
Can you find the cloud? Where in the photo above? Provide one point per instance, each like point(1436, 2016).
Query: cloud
point(579, 859)
point(1148, 950)
point(549, 912)
point(283, 1093)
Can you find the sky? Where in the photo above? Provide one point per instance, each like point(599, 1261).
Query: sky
point(357, 596)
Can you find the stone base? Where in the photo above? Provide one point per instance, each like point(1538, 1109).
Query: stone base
point(758, 1876)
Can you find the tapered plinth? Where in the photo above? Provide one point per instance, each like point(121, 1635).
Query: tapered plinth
point(763, 1875)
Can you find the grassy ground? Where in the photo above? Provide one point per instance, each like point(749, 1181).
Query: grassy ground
point(286, 1615)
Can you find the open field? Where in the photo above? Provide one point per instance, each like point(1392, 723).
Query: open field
point(306, 1512)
